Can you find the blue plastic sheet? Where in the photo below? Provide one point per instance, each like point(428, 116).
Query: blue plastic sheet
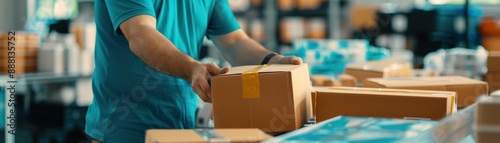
point(358, 129)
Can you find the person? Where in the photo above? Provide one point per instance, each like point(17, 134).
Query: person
point(146, 74)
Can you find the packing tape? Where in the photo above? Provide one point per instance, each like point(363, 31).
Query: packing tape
point(211, 136)
point(250, 82)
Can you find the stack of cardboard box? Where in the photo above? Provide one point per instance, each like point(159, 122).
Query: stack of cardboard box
point(24, 48)
point(493, 75)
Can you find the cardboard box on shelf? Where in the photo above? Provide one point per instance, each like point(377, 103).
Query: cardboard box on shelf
point(493, 80)
point(386, 103)
point(308, 4)
point(491, 43)
point(269, 97)
point(487, 119)
point(315, 28)
point(205, 135)
point(493, 61)
point(379, 69)
point(467, 89)
point(24, 51)
point(286, 5)
point(363, 17)
point(291, 28)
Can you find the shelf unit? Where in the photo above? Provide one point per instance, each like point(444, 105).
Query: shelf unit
point(271, 15)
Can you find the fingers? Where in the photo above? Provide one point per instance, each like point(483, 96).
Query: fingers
point(224, 70)
point(215, 70)
point(200, 86)
point(296, 60)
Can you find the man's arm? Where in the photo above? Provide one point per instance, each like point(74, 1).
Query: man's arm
point(159, 53)
point(239, 49)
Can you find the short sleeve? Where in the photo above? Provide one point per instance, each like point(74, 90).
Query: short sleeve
point(222, 20)
point(121, 10)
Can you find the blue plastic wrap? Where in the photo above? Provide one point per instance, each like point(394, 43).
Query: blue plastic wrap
point(357, 129)
point(329, 57)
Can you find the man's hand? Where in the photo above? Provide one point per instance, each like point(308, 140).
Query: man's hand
point(200, 74)
point(279, 59)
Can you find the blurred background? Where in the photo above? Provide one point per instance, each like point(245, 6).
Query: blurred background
point(54, 53)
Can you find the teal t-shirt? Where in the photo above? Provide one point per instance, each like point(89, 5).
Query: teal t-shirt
point(131, 97)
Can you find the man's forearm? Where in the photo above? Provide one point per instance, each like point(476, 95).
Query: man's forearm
point(160, 53)
point(247, 52)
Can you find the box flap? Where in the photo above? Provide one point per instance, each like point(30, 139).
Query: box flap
point(270, 68)
point(424, 81)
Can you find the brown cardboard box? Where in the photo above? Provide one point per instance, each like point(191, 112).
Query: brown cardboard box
point(382, 69)
point(467, 89)
point(493, 62)
point(323, 80)
point(286, 5)
point(313, 98)
point(198, 136)
point(308, 4)
point(291, 28)
point(491, 43)
point(493, 79)
point(363, 17)
point(348, 80)
point(488, 120)
point(424, 73)
point(385, 103)
point(271, 98)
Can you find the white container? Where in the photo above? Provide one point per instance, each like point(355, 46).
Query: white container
point(50, 58)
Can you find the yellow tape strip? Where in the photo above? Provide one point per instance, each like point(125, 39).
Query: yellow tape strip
point(250, 82)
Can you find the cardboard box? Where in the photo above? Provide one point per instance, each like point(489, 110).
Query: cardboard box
point(363, 16)
point(493, 61)
point(424, 73)
point(385, 103)
point(348, 80)
point(493, 79)
point(343, 80)
point(491, 43)
point(488, 119)
point(271, 98)
point(313, 98)
point(467, 89)
point(379, 69)
point(205, 136)
point(323, 80)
